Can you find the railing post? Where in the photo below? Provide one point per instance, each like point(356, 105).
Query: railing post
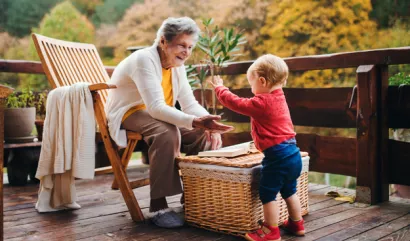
point(4, 92)
point(372, 134)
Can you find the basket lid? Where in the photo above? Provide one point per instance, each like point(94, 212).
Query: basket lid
point(244, 161)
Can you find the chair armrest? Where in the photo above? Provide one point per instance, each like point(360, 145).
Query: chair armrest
point(101, 86)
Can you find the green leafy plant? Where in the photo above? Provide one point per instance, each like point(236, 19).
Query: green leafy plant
point(399, 79)
point(24, 99)
point(28, 98)
point(220, 47)
point(197, 78)
point(40, 104)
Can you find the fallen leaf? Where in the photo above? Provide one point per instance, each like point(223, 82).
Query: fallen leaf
point(333, 194)
point(349, 199)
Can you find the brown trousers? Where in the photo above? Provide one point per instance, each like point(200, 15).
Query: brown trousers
point(164, 142)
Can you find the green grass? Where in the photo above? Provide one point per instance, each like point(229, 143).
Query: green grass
point(334, 180)
point(136, 156)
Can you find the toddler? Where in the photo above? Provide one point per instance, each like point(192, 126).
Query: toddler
point(273, 134)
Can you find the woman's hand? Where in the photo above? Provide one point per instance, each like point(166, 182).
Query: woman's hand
point(209, 123)
point(216, 81)
point(215, 140)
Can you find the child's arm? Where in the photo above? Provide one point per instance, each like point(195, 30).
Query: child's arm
point(246, 106)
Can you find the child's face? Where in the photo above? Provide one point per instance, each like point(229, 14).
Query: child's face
point(258, 84)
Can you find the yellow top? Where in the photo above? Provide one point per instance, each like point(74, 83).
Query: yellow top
point(167, 88)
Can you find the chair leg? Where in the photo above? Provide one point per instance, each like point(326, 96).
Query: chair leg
point(119, 173)
point(125, 188)
point(125, 159)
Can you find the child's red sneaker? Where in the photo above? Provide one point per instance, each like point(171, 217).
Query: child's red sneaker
point(265, 233)
point(296, 228)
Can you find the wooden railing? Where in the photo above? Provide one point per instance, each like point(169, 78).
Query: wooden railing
point(371, 108)
point(375, 107)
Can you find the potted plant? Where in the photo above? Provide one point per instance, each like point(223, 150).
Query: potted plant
point(19, 117)
point(220, 47)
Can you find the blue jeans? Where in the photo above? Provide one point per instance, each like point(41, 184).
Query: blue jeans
point(281, 168)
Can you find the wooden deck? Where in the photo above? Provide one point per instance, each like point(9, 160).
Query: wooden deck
point(104, 216)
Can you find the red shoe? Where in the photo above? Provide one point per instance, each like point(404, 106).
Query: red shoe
point(295, 228)
point(265, 233)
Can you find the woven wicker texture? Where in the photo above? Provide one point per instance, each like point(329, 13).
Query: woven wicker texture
point(245, 161)
point(229, 202)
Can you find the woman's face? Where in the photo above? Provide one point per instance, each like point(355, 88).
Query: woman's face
point(177, 51)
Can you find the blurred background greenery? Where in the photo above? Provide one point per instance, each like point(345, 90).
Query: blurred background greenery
point(284, 27)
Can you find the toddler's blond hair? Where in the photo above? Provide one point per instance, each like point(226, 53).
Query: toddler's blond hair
point(272, 68)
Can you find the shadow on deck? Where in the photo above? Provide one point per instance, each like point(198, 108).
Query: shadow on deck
point(104, 216)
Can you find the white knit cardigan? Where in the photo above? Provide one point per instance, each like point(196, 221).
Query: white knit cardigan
point(138, 79)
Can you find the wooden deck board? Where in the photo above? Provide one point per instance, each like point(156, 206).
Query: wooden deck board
point(385, 230)
point(357, 224)
point(350, 228)
point(401, 235)
point(104, 216)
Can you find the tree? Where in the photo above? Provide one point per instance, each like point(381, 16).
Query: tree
point(396, 36)
point(141, 22)
point(6, 42)
point(249, 16)
point(111, 11)
point(3, 16)
point(387, 12)
point(87, 7)
point(297, 28)
point(139, 25)
point(63, 22)
point(13, 48)
point(22, 15)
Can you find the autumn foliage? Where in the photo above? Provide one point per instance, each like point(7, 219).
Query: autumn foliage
point(283, 27)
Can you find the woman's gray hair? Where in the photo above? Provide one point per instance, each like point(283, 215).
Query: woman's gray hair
point(172, 27)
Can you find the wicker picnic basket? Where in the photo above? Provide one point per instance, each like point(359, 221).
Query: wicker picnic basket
point(221, 194)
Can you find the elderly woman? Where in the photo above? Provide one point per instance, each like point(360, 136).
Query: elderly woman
point(149, 82)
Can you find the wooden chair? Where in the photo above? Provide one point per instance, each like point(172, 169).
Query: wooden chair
point(66, 63)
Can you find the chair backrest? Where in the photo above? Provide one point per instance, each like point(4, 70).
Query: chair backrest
point(66, 63)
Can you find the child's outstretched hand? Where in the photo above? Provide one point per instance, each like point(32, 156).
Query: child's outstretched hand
point(216, 81)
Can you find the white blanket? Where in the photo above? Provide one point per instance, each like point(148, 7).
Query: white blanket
point(69, 133)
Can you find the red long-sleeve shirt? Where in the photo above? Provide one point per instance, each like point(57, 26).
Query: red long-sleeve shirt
point(270, 117)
